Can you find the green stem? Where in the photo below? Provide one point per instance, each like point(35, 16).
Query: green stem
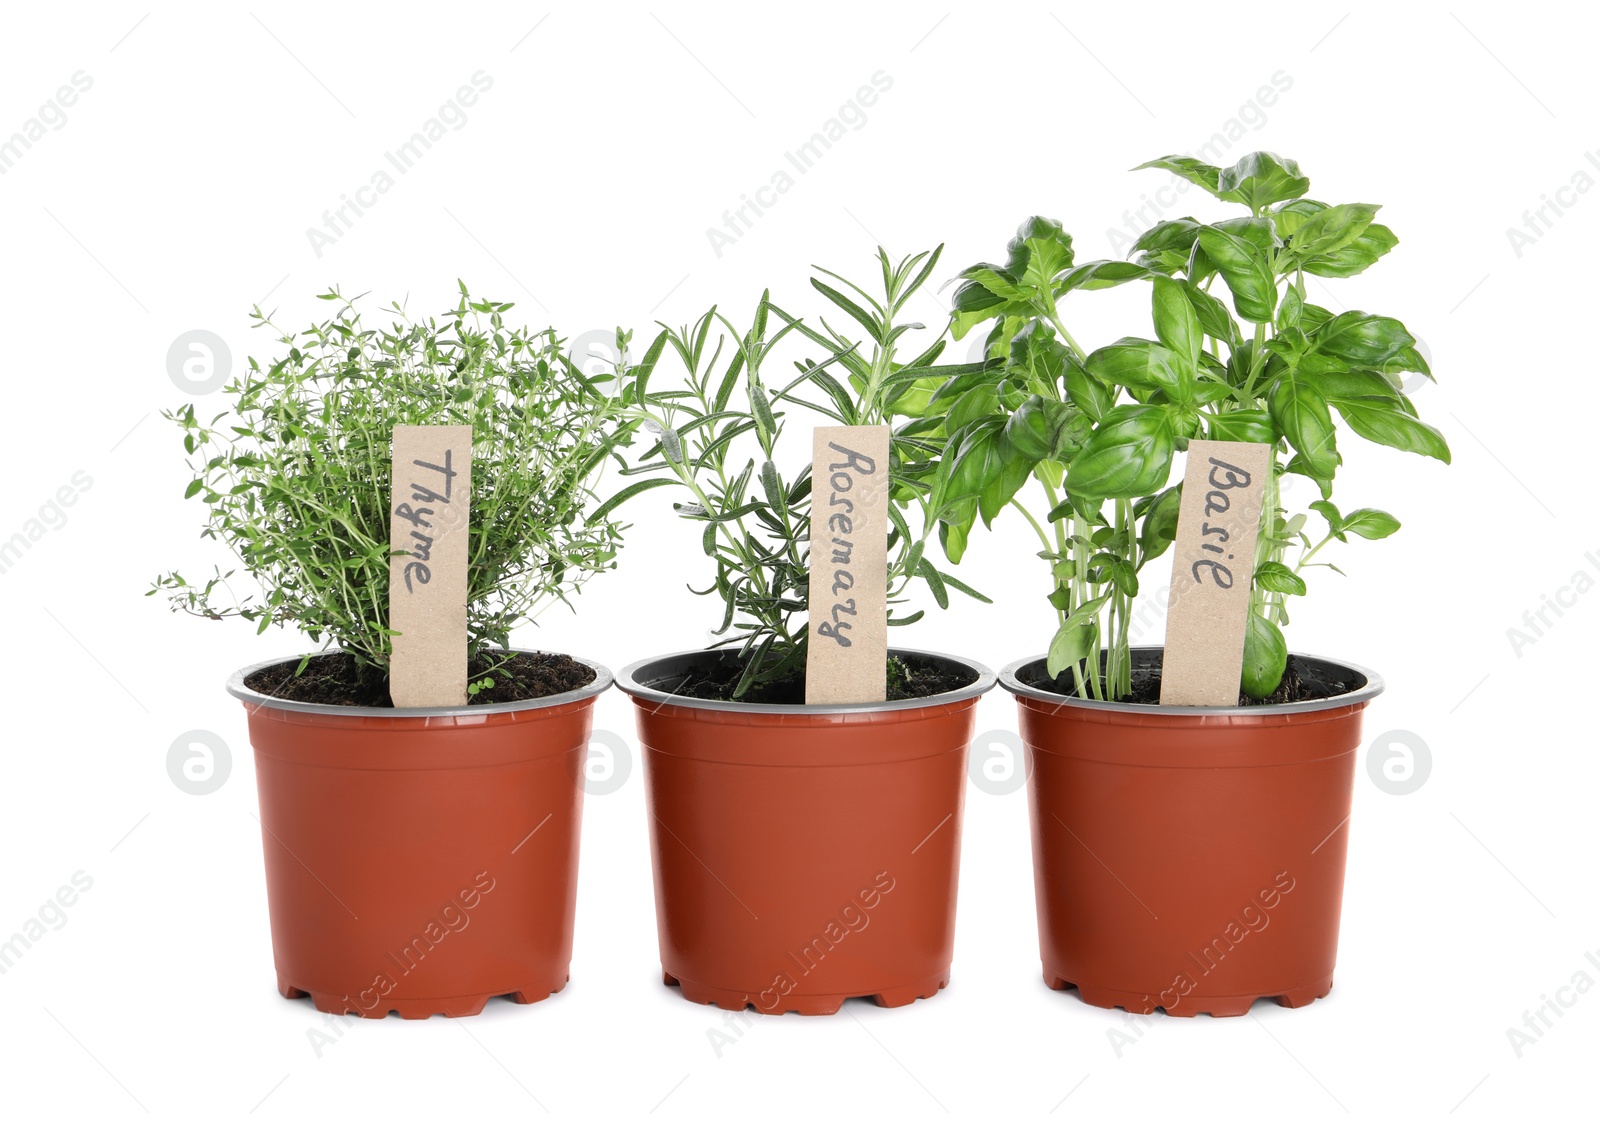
point(1044, 537)
point(1066, 337)
point(1262, 601)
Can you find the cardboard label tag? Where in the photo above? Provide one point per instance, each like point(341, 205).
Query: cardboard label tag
point(849, 643)
point(1213, 568)
point(430, 502)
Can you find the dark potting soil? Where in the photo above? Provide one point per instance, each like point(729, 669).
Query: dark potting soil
point(333, 679)
point(1300, 683)
point(909, 677)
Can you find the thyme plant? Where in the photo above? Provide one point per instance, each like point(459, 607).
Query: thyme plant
point(295, 474)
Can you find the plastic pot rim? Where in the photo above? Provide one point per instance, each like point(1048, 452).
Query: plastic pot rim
point(628, 681)
point(1374, 685)
point(254, 700)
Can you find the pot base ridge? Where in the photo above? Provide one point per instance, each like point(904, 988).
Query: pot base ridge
point(1191, 1005)
point(420, 1009)
point(807, 1004)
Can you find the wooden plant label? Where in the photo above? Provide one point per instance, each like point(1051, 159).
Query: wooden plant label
point(428, 524)
point(849, 643)
point(1213, 568)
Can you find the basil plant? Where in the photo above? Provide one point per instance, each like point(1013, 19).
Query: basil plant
point(1239, 351)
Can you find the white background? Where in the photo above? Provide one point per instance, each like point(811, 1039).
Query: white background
point(178, 193)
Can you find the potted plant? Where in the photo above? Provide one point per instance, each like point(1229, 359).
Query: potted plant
point(780, 830)
point(419, 860)
point(1167, 839)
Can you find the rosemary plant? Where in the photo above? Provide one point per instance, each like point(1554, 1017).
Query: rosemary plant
point(718, 435)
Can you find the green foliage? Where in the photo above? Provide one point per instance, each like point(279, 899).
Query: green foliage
point(295, 475)
point(1239, 352)
point(717, 436)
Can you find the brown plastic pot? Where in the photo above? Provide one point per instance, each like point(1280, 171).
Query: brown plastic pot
point(1190, 859)
point(420, 860)
point(804, 854)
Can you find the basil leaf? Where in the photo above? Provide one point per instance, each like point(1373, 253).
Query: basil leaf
point(1262, 178)
point(1074, 642)
point(994, 279)
point(1332, 229)
point(1215, 320)
point(1040, 251)
point(1160, 526)
point(1274, 576)
point(1088, 393)
point(1287, 218)
point(1246, 272)
point(1166, 246)
point(1387, 424)
point(1348, 261)
point(1197, 172)
point(1370, 524)
point(1142, 365)
point(1266, 656)
point(1363, 338)
point(1301, 414)
point(1177, 325)
point(1252, 425)
point(1129, 454)
point(1027, 431)
point(1100, 275)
